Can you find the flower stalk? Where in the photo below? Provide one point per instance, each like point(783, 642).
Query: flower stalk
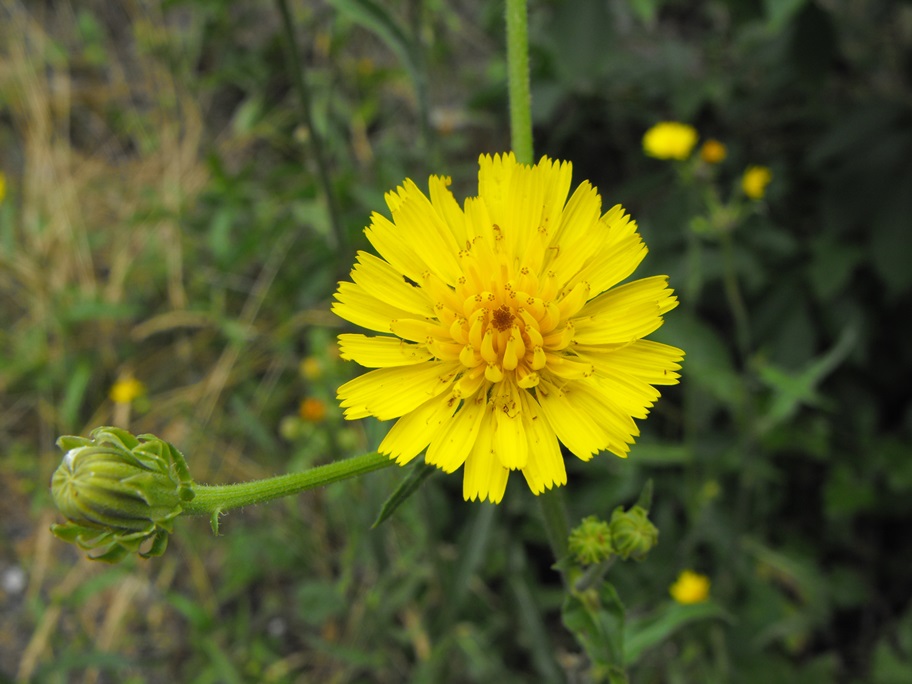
point(121, 493)
point(518, 80)
point(214, 500)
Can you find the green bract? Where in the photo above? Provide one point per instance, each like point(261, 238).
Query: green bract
point(118, 491)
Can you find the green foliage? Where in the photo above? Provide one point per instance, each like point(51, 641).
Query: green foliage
point(164, 219)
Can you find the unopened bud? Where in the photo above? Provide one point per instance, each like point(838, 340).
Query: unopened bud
point(632, 533)
point(118, 492)
point(590, 542)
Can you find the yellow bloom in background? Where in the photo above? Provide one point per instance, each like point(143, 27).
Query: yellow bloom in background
point(2, 186)
point(311, 368)
point(126, 390)
point(509, 336)
point(713, 152)
point(312, 410)
point(690, 587)
point(670, 140)
point(755, 180)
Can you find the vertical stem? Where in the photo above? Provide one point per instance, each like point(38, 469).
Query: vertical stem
point(297, 75)
point(518, 79)
point(735, 300)
point(554, 516)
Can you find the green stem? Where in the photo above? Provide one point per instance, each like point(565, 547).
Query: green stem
point(214, 499)
point(554, 516)
point(296, 69)
point(735, 300)
point(518, 79)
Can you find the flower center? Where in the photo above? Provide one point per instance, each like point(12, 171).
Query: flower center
point(502, 318)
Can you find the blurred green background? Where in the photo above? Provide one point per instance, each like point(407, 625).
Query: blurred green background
point(163, 221)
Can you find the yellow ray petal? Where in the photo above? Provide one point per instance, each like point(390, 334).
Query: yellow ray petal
point(625, 313)
point(590, 397)
point(415, 430)
point(651, 362)
point(578, 431)
point(381, 352)
point(577, 238)
point(494, 174)
point(510, 445)
point(447, 207)
point(545, 466)
point(557, 176)
point(427, 234)
point(613, 264)
point(363, 309)
point(385, 283)
point(484, 477)
point(615, 301)
point(450, 449)
point(387, 239)
point(392, 392)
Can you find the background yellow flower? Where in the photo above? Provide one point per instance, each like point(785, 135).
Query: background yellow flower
point(126, 390)
point(690, 587)
point(670, 140)
point(713, 151)
point(755, 180)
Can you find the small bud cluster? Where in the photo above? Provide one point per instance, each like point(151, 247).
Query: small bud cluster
point(629, 534)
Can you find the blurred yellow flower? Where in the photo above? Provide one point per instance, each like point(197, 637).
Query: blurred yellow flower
point(713, 152)
point(690, 587)
point(126, 390)
point(2, 186)
point(311, 368)
point(312, 410)
point(509, 336)
point(755, 180)
point(670, 140)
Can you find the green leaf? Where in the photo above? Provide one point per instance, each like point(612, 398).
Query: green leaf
point(651, 631)
point(408, 486)
point(793, 390)
point(596, 618)
point(75, 392)
point(374, 17)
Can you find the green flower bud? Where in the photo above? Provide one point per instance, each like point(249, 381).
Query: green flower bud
point(590, 542)
point(118, 491)
point(632, 533)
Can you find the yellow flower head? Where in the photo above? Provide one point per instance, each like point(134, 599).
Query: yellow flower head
point(713, 152)
point(690, 587)
point(508, 335)
point(670, 140)
point(2, 186)
point(126, 391)
point(755, 180)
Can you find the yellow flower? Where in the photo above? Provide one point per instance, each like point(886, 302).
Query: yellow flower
point(2, 186)
point(670, 140)
point(312, 410)
point(126, 390)
point(755, 180)
point(312, 368)
point(690, 587)
point(507, 337)
point(713, 152)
